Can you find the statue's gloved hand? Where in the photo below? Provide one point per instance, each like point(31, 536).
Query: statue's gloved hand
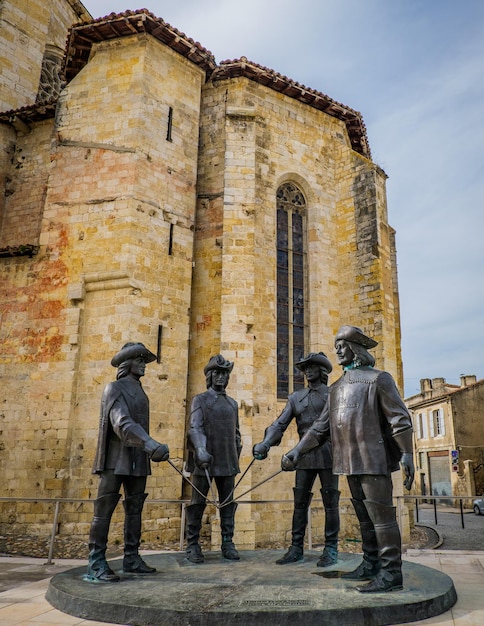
point(290, 460)
point(162, 453)
point(260, 451)
point(156, 451)
point(408, 468)
point(203, 458)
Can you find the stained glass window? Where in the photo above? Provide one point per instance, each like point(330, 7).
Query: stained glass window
point(291, 325)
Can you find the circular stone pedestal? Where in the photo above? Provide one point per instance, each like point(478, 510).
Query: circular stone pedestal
point(252, 591)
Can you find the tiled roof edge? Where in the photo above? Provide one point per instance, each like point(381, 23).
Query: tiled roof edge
point(82, 35)
point(272, 79)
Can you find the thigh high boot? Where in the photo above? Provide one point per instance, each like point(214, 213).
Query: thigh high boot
point(227, 525)
point(370, 565)
point(132, 562)
point(389, 577)
point(302, 500)
point(331, 526)
point(98, 569)
point(194, 525)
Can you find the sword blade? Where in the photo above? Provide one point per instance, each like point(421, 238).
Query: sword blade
point(238, 482)
point(190, 483)
point(252, 488)
point(210, 484)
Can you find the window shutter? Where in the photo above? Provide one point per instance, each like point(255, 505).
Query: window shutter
point(419, 426)
point(442, 421)
point(431, 423)
point(425, 430)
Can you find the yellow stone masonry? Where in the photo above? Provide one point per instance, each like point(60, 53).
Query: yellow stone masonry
point(149, 235)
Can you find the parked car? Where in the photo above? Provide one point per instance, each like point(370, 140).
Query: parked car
point(479, 505)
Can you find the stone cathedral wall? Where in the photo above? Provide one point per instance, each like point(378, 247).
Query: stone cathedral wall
point(263, 139)
point(115, 264)
point(26, 28)
point(150, 198)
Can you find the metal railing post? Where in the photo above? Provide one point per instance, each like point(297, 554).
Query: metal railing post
point(54, 532)
point(399, 512)
point(182, 525)
point(183, 519)
point(310, 528)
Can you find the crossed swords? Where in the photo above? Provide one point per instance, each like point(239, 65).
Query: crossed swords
point(229, 499)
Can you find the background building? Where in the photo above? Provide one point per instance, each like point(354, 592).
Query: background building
point(449, 437)
point(151, 194)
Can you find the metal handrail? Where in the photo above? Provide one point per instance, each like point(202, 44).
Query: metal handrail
point(58, 501)
point(185, 502)
point(434, 500)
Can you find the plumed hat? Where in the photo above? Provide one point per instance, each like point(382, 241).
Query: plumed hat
point(132, 350)
point(356, 335)
point(218, 362)
point(315, 357)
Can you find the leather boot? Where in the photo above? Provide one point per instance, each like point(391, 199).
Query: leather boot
point(370, 565)
point(389, 578)
point(194, 524)
point(132, 562)
point(330, 498)
point(302, 500)
point(227, 526)
point(98, 569)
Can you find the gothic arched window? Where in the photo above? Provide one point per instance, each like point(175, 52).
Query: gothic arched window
point(291, 323)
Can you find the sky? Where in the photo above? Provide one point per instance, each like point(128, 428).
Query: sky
point(414, 69)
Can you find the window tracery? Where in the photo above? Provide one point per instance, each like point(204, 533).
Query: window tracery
point(291, 322)
point(51, 80)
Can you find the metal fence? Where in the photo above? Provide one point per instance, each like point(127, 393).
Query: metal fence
point(401, 501)
point(444, 501)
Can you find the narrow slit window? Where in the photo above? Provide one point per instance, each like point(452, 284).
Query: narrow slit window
point(170, 241)
point(170, 124)
point(158, 345)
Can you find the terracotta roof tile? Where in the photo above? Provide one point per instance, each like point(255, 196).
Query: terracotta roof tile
point(83, 35)
point(30, 113)
point(268, 77)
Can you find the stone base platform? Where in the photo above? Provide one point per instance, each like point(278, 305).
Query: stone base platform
point(253, 591)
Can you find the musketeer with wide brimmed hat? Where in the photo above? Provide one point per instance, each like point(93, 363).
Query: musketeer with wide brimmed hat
point(371, 432)
point(214, 445)
point(123, 456)
point(305, 406)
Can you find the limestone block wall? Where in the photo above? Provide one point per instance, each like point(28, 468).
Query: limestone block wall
point(263, 139)
point(115, 264)
point(467, 425)
point(152, 198)
point(25, 174)
point(7, 147)
point(26, 28)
